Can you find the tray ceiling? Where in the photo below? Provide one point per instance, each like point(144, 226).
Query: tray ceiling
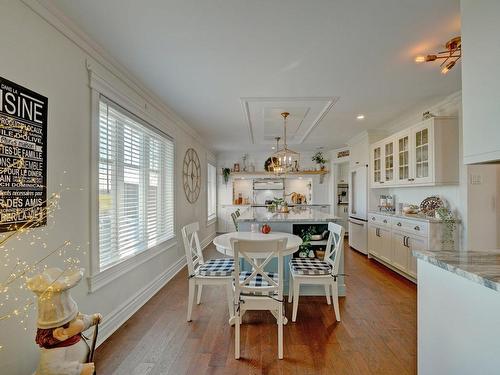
point(265, 123)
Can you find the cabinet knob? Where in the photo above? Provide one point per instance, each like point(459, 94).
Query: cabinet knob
point(417, 228)
point(399, 224)
point(373, 217)
point(385, 221)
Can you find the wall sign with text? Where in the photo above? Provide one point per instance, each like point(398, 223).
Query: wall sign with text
point(23, 156)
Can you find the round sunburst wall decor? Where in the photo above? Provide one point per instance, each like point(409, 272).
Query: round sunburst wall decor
point(191, 175)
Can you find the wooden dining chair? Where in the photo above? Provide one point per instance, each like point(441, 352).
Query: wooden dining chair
point(314, 271)
point(213, 272)
point(258, 289)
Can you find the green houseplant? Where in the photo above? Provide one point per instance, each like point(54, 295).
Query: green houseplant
point(225, 174)
point(319, 158)
point(306, 246)
point(450, 223)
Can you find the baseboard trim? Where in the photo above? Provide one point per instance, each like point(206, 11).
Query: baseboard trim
point(116, 318)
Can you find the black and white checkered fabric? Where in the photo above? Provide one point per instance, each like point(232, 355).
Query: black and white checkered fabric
point(308, 266)
point(258, 280)
point(217, 267)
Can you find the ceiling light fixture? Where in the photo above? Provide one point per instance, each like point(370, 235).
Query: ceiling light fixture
point(285, 160)
point(360, 117)
point(452, 54)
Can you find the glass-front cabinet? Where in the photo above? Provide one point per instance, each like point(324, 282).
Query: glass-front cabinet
point(403, 155)
point(422, 152)
point(425, 154)
point(388, 161)
point(376, 159)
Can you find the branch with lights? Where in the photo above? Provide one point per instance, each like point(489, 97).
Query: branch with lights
point(19, 271)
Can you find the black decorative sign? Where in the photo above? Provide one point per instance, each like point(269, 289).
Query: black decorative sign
point(23, 156)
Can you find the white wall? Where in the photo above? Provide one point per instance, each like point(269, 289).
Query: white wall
point(36, 55)
point(480, 78)
point(484, 206)
point(454, 195)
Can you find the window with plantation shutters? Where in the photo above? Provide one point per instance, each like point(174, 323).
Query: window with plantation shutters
point(211, 192)
point(136, 185)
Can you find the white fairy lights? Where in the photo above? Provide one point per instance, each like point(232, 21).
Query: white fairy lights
point(12, 305)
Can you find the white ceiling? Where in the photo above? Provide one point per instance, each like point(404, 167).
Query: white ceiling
point(209, 59)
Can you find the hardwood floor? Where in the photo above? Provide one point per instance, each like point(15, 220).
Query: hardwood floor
point(377, 334)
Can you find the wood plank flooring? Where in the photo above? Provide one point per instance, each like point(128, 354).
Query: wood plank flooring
point(377, 334)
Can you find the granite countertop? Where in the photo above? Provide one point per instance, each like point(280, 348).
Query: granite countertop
point(482, 267)
point(297, 214)
point(418, 217)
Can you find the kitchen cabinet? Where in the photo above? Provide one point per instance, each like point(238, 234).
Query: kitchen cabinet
point(343, 173)
point(415, 243)
point(392, 238)
point(376, 163)
point(400, 252)
point(379, 242)
point(382, 161)
point(425, 154)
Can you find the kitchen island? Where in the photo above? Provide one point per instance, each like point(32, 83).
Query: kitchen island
point(458, 311)
point(297, 221)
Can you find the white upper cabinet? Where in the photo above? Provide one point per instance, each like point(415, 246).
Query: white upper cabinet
point(421, 149)
point(403, 158)
point(425, 154)
point(480, 78)
point(382, 159)
point(376, 163)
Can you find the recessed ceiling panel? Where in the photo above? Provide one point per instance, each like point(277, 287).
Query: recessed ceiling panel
point(264, 120)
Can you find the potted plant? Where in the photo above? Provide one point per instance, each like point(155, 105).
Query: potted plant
point(450, 223)
point(306, 246)
point(225, 174)
point(319, 158)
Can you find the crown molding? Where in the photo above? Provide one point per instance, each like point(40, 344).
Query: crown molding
point(57, 19)
point(444, 107)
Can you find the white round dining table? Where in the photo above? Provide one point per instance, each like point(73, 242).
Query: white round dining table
point(223, 242)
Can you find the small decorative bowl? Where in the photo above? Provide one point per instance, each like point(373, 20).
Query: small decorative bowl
point(317, 237)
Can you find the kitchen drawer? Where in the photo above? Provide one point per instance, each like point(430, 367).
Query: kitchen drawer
point(381, 220)
point(419, 228)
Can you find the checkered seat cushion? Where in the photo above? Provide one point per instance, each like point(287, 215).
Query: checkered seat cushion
point(217, 267)
point(308, 266)
point(258, 280)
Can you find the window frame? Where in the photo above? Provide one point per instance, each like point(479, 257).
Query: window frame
point(212, 220)
point(97, 277)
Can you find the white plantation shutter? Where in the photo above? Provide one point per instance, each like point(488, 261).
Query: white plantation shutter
point(136, 185)
point(211, 192)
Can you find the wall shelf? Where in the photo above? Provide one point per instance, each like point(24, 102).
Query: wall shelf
point(263, 173)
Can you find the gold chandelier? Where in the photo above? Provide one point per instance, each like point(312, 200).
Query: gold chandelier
point(285, 160)
point(452, 54)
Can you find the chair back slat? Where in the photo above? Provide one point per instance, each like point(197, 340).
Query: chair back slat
point(234, 216)
point(334, 246)
point(252, 251)
point(194, 255)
